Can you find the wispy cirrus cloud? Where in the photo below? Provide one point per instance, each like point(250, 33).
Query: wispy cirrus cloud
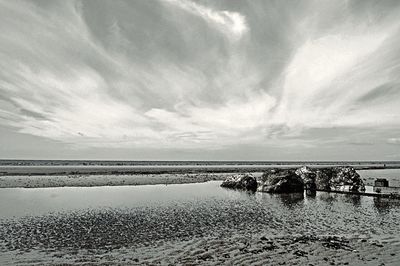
point(395, 141)
point(134, 75)
point(230, 23)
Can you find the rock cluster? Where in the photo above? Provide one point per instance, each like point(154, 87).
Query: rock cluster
point(347, 176)
point(281, 181)
point(333, 178)
point(290, 181)
point(242, 181)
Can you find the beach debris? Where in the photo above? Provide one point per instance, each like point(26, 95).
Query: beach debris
point(269, 246)
point(281, 181)
point(241, 181)
point(331, 242)
point(381, 185)
point(300, 253)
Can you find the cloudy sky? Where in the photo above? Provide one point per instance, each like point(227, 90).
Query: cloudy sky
point(198, 79)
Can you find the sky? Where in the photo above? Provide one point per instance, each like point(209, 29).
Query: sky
point(200, 80)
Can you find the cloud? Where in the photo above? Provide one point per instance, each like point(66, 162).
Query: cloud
point(329, 74)
point(230, 23)
point(395, 141)
point(129, 75)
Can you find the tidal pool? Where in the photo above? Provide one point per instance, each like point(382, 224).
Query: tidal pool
point(105, 219)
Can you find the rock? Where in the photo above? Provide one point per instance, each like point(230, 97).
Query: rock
point(307, 174)
point(269, 246)
point(281, 181)
point(347, 176)
point(244, 181)
point(322, 178)
point(332, 178)
point(300, 253)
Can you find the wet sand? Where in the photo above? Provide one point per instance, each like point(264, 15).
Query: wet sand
point(245, 249)
point(79, 180)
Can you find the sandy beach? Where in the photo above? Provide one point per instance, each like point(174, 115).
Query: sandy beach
point(40, 181)
point(135, 219)
point(236, 250)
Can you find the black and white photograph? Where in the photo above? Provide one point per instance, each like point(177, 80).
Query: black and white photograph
point(200, 132)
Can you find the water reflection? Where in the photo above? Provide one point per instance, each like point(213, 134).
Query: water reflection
point(291, 200)
point(166, 212)
point(327, 197)
point(384, 205)
point(354, 199)
point(311, 193)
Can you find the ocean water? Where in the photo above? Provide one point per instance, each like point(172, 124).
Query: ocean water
point(186, 163)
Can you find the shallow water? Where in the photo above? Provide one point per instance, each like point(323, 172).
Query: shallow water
point(392, 175)
point(108, 218)
point(208, 206)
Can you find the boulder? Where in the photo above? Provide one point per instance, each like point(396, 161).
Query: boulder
point(322, 178)
point(281, 181)
point(308, 176)
point(347, 176)
point(333, 178)
point(243, 181)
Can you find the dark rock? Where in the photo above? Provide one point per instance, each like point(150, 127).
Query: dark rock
point(334, 242)
point(300, 253)
point(204, 257)
point(347, 176)
point(322, 178)
point(333, 178)
point(245, 181)
point(311, 189)
point(281, 181)
point(377, 244)
point(269, 246)
point(307, 174)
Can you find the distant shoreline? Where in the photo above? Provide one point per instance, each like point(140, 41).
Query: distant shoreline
point(45, 170)
point(90, 176)
point(40, 162)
